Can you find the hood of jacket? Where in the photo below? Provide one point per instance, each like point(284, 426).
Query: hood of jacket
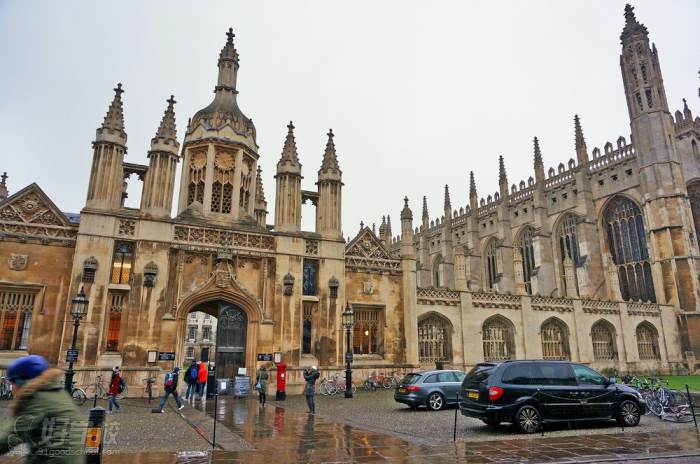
point(50, 379)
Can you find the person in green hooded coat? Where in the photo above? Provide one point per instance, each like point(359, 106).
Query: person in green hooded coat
point(44, 415)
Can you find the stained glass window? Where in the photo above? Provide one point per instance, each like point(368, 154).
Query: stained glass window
point(498, 339)
point(491, 264)
point(555, 340)
point(310, 283)
point(527, 255)
point(434, 341)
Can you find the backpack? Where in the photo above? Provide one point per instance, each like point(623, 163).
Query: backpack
point(169, 381)
point(122, 385)
point(193, 373)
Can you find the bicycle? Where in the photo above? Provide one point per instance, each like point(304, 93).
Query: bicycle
point(328, 387)
point(97, 390)
point(149, 387)
point(78, 395)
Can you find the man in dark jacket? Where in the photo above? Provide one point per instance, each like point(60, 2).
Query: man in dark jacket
point(170, 386)
point(45, 416)
point(191, 381)
point(310, 376)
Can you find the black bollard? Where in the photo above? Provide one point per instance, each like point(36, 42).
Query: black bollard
point(216, 414)
point(692, 406)
point(94, 435)
point(454, 432)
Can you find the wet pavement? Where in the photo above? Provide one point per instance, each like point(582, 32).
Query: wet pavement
point(280, 435)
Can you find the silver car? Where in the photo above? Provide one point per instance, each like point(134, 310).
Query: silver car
point(432, 389)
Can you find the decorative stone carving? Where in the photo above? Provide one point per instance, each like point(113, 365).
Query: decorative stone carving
point(437, 296)
point(223, 238)
point(31, 213)
point(288, 284)
point(150, 271)
point(600, 307)
point(18, 262)
point(643, 309)
point(562, 305)
point(367, 252)
point(127, 227)
point(495, 300)
point(311, 247)
point(367, 287)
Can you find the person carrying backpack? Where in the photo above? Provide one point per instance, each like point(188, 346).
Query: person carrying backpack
point(191, 381)
point(44, 415)
point(170, 386)
point(116, 386)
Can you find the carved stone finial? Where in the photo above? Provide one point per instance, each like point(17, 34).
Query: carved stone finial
point(538, 153)
point(406, 213)
point(472, 184)
point(447, 203)
point(290, 156)
point(167, 132)
point(502, 179)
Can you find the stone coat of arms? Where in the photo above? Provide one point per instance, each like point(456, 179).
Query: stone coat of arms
point(18, 262)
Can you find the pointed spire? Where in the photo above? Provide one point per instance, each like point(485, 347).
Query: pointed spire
point(502, 179)
point(228, 65)
point(425, 208)
point(580, 141)
point(472, 185)
point(538, 153)
point(289, 162)
point(447, 204)
point(686, 111)
point(329, 165)
point(112, 128)
point(3, 186)
point(167, 132)
point(259, 191)
point(407, 214)
point(632, 26)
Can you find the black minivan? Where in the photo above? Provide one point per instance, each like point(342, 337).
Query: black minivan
point(530, 393)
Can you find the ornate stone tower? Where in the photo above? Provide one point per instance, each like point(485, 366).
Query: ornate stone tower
point(260, 202)
point(288, 195)
point(159, 184)
point(328, 212)
point(446, 249)
point(665, 200)
point(220, 153)
point(107, 174)
point(408, 285)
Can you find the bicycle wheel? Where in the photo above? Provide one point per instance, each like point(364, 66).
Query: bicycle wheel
point(654, 405)
point(323, 388)
point(122, 395)
point(354, 388)
point(78, 396)
point(93, 390)
point(671, 398)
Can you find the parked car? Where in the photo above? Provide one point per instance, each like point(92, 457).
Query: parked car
point(530, 393)
point(434, 389)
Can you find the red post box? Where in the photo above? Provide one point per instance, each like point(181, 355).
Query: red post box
point(281, 394)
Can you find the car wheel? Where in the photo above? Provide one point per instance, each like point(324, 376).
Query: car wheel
point(491, 422)
point(629, 414)
point(435, 402)
point(528, 419)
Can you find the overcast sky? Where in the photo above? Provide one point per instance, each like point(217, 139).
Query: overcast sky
point(417, 93)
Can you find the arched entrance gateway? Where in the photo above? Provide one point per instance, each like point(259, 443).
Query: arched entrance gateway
point(238, 315)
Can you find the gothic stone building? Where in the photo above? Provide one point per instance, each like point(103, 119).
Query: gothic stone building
point(596, 261)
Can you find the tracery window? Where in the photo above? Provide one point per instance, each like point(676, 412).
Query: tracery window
point(555, 339)
point(498, 339)
point(367, 336)
point(569, 254)
point(16, 307)
point(222, 187)
point(117, 304)
point(647, 342)
point(195, 189)
point(307, 323)
point(244, 194)
point(310, 277)
point(627, 245)
point(694, 197)
point(122, 262)
point(491, 263)
point(603, 337)
point(434, 340)
point(437, 280)
point(527, 255)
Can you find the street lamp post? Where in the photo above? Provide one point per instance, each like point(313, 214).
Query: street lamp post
point(348, 321)
point(78, 310)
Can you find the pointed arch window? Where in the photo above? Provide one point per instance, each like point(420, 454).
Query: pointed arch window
point(195, 188)
point(694, 197)
point(648, 342)
point(434, 340)
point(627, 246)
point(569, 254)
point(222, 188)
point(555, 339)
point(498, 339)
point(527, 257)
point(603, 337)
point(437, 274)
point(491, 264)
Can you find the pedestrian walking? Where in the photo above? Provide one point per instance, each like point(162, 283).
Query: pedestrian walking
point(311, 374)
point(191, 382)
point(202, 374)
point(261, 385)
point(170, 385)
point(45, 416)
point(116, 386)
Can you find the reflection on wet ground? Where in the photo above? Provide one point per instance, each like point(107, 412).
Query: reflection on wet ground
point(280, 436)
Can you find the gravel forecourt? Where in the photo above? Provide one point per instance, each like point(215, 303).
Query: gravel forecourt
point(377, 411)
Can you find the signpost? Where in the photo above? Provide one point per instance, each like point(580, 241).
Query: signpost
point(166, 356)
point(72, 355)
point(264, 356)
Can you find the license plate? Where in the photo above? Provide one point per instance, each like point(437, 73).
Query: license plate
point(402, 390)
point(473, 395)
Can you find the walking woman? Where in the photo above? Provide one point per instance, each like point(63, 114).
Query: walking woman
point(202, 375)
point(116, 386)
point(261, 385)
point(311, 375)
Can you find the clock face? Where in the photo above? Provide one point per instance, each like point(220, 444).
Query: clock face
point(199, 160)
point(225, 160)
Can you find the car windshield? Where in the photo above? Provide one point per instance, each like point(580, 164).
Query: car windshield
point(410, 379)
point(478, 374)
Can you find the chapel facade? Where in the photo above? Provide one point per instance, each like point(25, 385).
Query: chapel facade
point(595, 261)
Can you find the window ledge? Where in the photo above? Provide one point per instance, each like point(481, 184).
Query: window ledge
point(125, 287)
point(309, 298)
